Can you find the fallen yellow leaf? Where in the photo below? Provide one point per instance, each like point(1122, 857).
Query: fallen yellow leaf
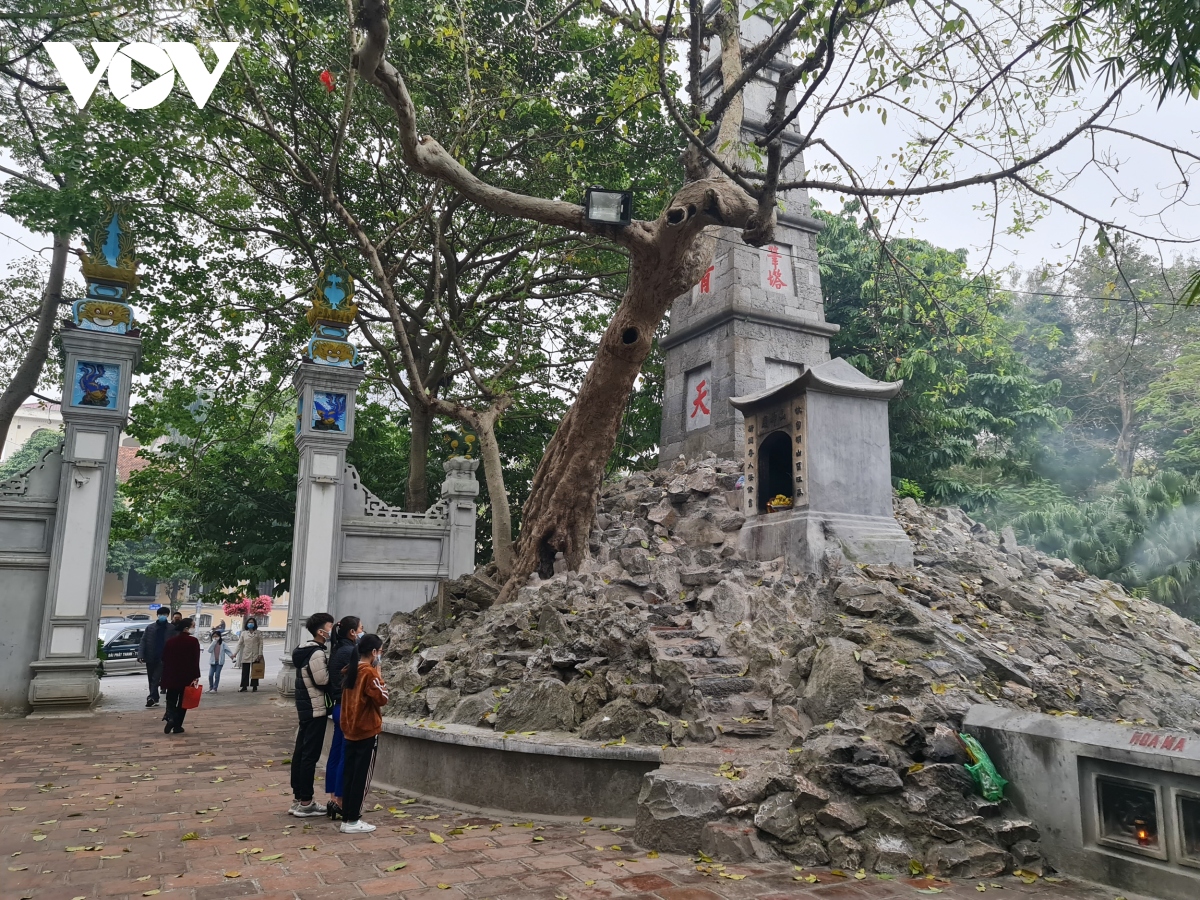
point(436, 838)
point(232, 874)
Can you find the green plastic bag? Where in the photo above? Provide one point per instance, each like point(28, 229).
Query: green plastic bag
point(988, 781)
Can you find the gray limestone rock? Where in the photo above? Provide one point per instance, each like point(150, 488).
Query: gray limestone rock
point(729, 602)
point(1014, 831)
point(1028, 856)
point(809, 797)
point(697, 531)
point(963, 859)
point(845, 852)
point(544, 705)
point(663, 514)
point(777, 816)
point(945, 746)
point(890, 854)
point(732, 843)
point(755, 784)
point(872, 779)
point(441, 701)
point(835, 682)
point(808, 851)
point(674, 805)
point(624, 718)
point(702, 481)
point(471, 709)
point(843, 816)
point(898, 729)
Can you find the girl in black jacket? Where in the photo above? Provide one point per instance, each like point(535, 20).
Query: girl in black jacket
point(345, 638)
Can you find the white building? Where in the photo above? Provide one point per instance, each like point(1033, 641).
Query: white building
point(32, 415)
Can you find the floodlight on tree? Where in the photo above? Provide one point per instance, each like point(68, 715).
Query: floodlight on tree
point(604, 207)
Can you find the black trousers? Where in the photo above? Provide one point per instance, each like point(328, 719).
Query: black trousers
point(247, 681)
point(358, 761)
point(153, 676)
point(309, 738)
point(175, 711)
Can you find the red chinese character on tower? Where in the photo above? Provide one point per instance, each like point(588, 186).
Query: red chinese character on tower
point(706, 281)
point(698, 405)
point(775, 276)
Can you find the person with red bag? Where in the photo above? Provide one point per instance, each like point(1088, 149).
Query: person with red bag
point(180, 669)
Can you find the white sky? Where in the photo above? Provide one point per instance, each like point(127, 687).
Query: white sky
point(1146, 174)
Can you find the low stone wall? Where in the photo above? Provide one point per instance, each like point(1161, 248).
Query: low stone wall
point(524, 774)
point(1056, 767)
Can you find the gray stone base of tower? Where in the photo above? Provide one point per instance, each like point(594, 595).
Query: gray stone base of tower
point(806, 537)
point(818, 470)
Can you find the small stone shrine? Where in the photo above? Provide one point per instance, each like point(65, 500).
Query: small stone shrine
point(818, 469)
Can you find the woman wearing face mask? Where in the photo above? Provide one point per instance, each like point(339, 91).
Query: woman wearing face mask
point(342, 655)
point(363, 697)
point(180, 667)
point(217, 652)
point(249, 651)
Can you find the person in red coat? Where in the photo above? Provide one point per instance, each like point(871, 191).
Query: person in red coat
point(180, 668)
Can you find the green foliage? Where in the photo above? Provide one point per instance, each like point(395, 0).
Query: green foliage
point(1158, 42)
point(909, 310)
point(218, 496)
point(1145, 534)
point(1108, 330)
point(28, 456)
point(1171, 408)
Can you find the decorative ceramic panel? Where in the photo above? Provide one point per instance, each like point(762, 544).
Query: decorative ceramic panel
point(96, 385)
point(329, 412)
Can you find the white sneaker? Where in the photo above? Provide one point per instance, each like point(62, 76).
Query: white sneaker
point(311, 809)
point(295, 806)
point(359, 827)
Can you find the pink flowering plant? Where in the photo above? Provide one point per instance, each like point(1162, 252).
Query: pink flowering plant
point(249, 606)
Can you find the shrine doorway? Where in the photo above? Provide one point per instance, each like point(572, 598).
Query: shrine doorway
point(774, 468)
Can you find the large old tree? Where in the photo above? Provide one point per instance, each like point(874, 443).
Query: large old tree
point(980, 96)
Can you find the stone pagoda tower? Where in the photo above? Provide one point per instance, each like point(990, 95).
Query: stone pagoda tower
point(757, 314)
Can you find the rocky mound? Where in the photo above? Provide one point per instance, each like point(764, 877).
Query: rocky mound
point(837, 696)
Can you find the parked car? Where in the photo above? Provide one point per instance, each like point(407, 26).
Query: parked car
point(104, 620)
point(121, 640)
point(138, 617)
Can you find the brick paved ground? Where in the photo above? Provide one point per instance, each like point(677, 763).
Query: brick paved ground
point(99, 807)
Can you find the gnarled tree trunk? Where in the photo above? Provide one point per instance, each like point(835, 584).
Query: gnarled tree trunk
point(29, 372)
point(420, 422)
point(562, 502)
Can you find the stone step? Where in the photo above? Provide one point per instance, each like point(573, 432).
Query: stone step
point(737, 728)
point(699, 666)
point(666, 632)
point(723, 685)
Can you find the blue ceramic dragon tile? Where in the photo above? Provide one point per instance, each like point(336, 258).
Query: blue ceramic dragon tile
point(329, 411)
point(96, 385)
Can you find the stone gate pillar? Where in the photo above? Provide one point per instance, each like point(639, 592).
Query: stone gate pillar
point(326, 382)
point(459, 490)
point(101, 347)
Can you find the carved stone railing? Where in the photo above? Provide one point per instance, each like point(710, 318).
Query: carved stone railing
point(360, 501)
